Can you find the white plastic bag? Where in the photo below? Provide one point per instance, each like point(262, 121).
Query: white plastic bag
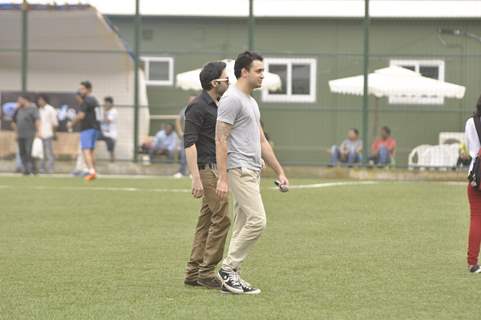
point(37, 149)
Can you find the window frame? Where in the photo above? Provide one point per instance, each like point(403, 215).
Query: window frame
point(418, 63)
point(289, 97)
point(147, 60)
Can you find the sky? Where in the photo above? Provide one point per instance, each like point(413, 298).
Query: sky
point(128, 6)
point(239, 7)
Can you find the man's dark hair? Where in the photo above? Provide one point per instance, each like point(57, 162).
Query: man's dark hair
point(109, 99)
point(387, 130)
point(211, 71)
point(87, 84)
point(355, 131)
point(244, 60)
point(478, 107)
point(44, 97)
point(26, 97)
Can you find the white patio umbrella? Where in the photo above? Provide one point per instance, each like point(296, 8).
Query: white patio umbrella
point(190, 80)
point(395, 82)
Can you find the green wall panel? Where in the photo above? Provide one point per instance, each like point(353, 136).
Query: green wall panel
point(302, 132)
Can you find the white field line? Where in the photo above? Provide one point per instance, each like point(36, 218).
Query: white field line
point(456, 183)
point(165, 190)
point(127, 189)
point(330, 185)
point(109, 176)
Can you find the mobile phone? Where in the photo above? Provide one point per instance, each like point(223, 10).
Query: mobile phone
point(282, 188)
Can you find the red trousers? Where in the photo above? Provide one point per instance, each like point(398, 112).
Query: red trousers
point(474, 226)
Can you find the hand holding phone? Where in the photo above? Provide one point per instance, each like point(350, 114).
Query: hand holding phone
point(282, 187)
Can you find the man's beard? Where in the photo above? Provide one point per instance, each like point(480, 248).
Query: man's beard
point(220, 94)
point(257, 85)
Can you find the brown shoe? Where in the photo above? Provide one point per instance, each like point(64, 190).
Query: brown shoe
point(191, 283)
point(210, 283)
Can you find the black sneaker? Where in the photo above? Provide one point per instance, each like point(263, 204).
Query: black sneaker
point(248, 289)
point(475, 269)
point(230, 281)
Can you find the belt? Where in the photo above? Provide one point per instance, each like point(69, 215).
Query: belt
point(203, 166)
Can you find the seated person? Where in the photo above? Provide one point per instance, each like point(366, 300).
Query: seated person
point(383, 148)
point(165, 143)
point(464, 159)
point(349, 151)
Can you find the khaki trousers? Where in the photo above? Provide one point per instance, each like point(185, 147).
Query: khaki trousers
point(249, 215)
point(211, 231)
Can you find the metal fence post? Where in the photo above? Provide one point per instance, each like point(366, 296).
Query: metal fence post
point(365, 100)
point(24, 49)
point(251, 25)
point(136, 78)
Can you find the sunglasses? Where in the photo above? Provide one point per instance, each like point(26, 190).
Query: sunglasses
point(226, 80)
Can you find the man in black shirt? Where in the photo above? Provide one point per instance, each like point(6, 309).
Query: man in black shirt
point(199, 142)
point(89, 126)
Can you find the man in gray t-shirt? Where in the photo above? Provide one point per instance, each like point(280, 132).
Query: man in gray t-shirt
point(242, 112)
point(26, 123)
point(349, 151)
point(240, 147)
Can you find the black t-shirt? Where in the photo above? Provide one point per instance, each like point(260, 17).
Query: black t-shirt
point(90, 107)
point(200, 122)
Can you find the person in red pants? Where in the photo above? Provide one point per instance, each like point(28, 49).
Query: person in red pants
point(474, 196)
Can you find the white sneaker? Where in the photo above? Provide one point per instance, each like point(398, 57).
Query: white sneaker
point(230, 281)
point(475, 269)
point(248, 289)
point(178, 175)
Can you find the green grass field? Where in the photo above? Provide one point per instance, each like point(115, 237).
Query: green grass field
point(117, 248)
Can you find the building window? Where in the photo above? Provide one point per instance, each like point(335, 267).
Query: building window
point(159, 71)
point(298, 77)
point(428, 68)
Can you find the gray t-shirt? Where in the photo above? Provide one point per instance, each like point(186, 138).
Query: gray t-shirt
point(242, 112)
point(25, 119)
point(351, 146)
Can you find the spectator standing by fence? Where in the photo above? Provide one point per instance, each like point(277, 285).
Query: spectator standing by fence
point(179, 128)
point(108, 126)
point(26, 123)
point(48, 123)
